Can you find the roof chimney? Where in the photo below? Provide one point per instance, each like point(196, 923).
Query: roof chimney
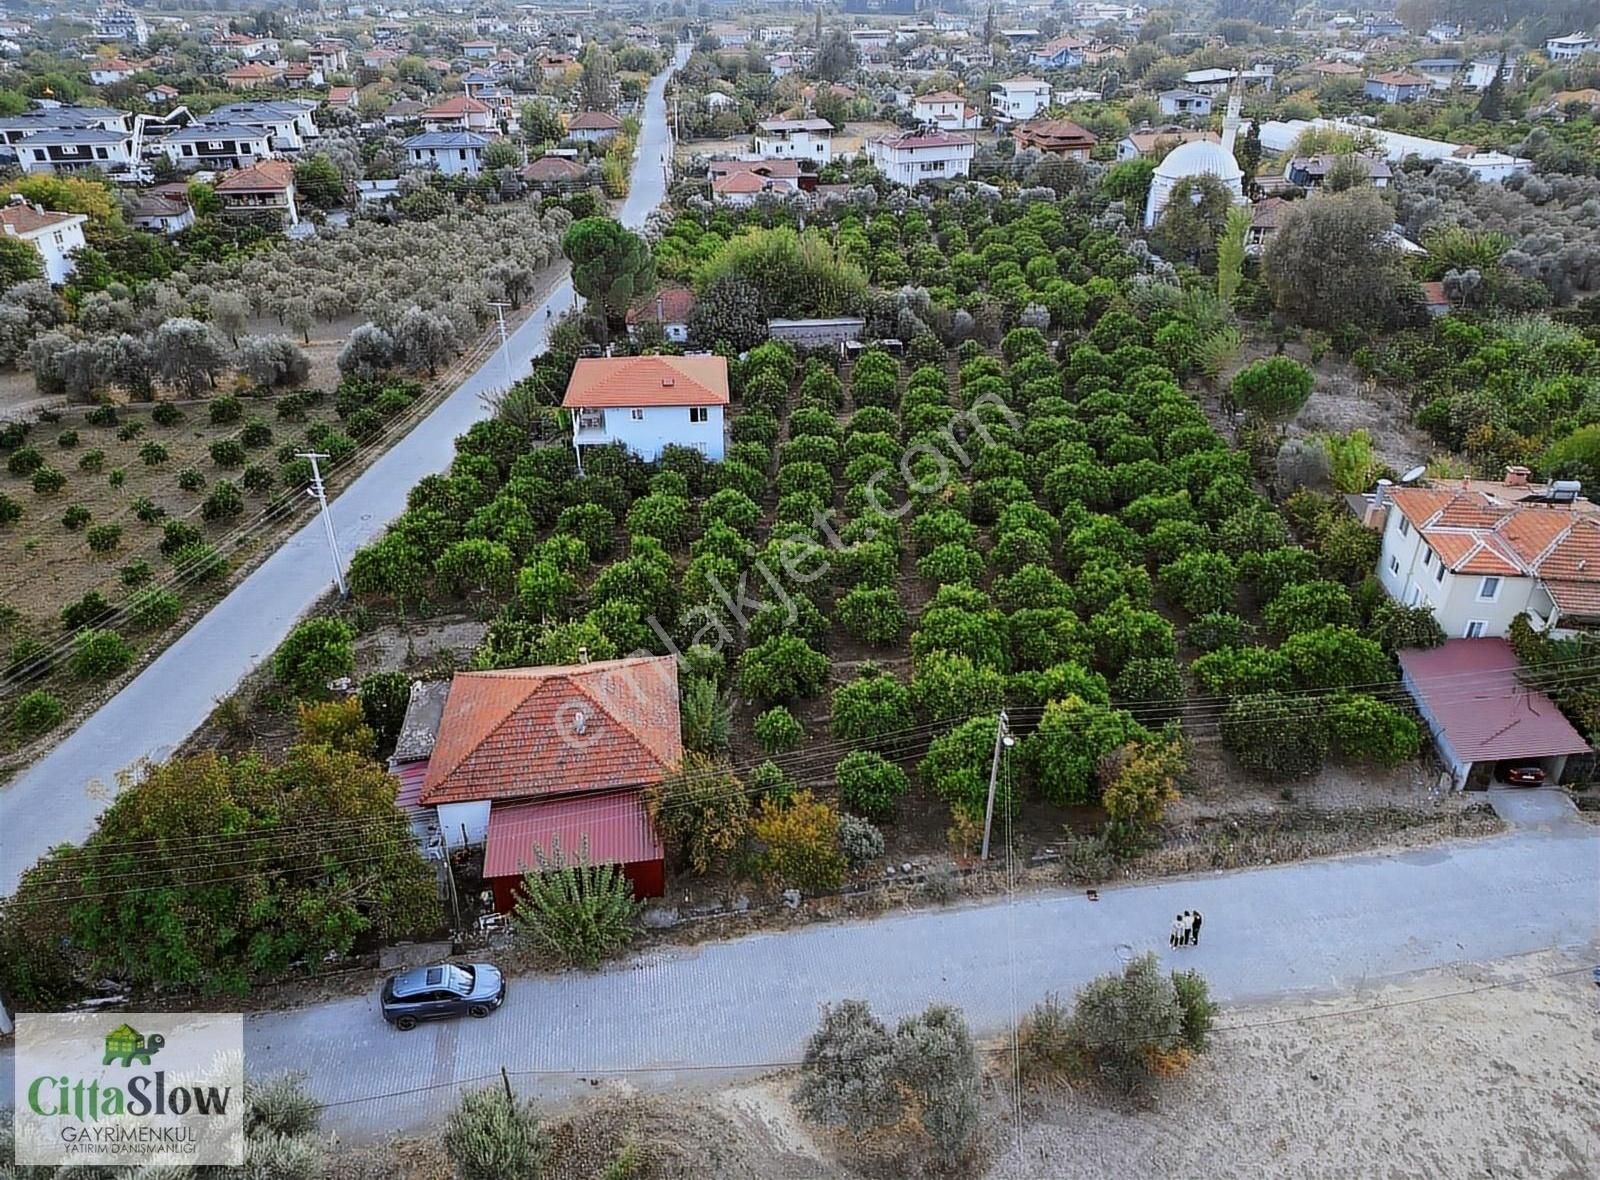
point(17, 199)
point(1377, 512)
point(1517, 476)
point(583, 653)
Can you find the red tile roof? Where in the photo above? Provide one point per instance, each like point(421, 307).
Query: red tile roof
point(669, 305)
point(628, 381)
point(1400, 78)
point(594, 121)
point(454, 107)
point(776, 169)
point(610, 829)
point(526, 732)
point(1054, 135)
point(27, 219)
point(1476, 531)
point(738, 182)
point(1470, 689)
point(552, 168)
point(269, 176)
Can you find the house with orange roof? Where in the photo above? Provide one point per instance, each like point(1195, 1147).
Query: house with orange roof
point(532, 763)
point(669, 309)
point(253, 76)
point(54, 236)
point(263, 188)
point(1479, 553)
point(649, 403)
point(459, 112)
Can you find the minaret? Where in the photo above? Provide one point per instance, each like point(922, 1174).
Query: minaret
point(1231, 121)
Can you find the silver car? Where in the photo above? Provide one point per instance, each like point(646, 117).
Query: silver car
point(442, 991)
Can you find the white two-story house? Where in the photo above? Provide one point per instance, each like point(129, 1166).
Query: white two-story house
point(455, 153)
point(54, 235)
point(75, 149)
point(1479, 553)
point(915, 156)
point(1021, 98)
point(218, 145)
point(1570, 47)
point(945, 110)
point(795, 139)
point(649, 403)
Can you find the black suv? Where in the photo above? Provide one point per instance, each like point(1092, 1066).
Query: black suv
point(442, 991)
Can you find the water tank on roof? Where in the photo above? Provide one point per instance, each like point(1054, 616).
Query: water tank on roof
point(1565, 489)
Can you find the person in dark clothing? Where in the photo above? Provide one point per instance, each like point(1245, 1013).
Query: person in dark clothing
point(1194, 927)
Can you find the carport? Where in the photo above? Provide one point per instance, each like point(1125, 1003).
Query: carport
point(1480, 714)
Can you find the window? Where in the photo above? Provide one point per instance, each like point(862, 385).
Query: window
point(699, 413)
point(1439, 573)
point(1394, 564)
point(1414, 596)
point(1427, 557)
point(1405, 527)
point(1475, 629)
point(1488, 589)
point(636, 415)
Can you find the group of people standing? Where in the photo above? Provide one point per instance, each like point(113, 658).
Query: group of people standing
point(1186, 929)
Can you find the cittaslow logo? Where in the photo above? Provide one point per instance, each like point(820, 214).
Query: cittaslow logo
point(94, 1089)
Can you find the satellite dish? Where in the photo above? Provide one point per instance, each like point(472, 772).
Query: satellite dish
point(1414, 474)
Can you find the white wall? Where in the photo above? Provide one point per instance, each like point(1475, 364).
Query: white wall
point(54, 246)
point(1454, 600)
point(659, 426)
point(473, 816)
point(447, 160)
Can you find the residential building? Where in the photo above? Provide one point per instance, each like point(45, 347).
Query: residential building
point(1480, 553)
point(248, 48)
point(406, 110)
point(593, 126)
point(1441, 72)
point(535, 763)
point(1059, 54)
point(787, 174)
point(1055, 137)
point(478, 50)
point(343, 97)
point(1159, 141)
point(54, 235)
point(455, 153)
point(945, 110)
point(503, 103)
point(75, 149)
point(165, 212)
point(16, 128)
point(669, 309)
point(1212, 81)
point(227, 145)
point(121, 24)
point(109, 73)
point(1483, 716)
point(329, 56)
point(1482, 70)
point(1326, 70)
point(1444, 32)
point(1573, 45)
point(556, 65)
point(795, 139)
point(741, 189)
point(649, 403)
point(1310, 171)
point(299, 75)
point(288, 122)
point(1281, 136)
point(266, 187)
point(1020, 98)
point(1397, 86)
point(253, 76)
point(459, 112)
point(1184, 102)
point(161, 94)
point(553, 173)
point(915, 156)
point(1266, 215)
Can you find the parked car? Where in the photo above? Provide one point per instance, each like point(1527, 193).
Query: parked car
point(1524, 776)
point(442, 991)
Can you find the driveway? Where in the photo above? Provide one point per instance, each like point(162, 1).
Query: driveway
point(58, 798)
point(721, 1011)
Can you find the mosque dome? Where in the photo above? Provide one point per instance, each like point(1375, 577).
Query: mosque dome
point(1200, 157)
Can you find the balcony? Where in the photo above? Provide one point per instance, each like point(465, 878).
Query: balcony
point(589, 426)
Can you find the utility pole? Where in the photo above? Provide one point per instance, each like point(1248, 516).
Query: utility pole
point(321, 494)
point(1002, 740)
point(505, 353)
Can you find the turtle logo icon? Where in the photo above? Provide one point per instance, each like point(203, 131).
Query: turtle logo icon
point(130, 1046)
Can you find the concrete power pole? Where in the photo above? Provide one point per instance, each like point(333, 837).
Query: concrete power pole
point(1002, 740)
point(321, 494)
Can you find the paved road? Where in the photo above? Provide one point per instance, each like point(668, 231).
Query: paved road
point(59, 797)
point(726, 1010)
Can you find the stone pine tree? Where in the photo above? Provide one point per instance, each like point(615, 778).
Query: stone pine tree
point(611, 266)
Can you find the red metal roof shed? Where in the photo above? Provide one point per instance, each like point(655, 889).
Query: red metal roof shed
point(611, 829)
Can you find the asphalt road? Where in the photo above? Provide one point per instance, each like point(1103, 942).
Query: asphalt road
point(58, 798)
point(721, 1011)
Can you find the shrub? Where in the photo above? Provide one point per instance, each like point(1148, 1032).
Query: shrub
point(952, 563)
point(1129, 1028)
point(101, 416)
point(10, 510)
point(136, 573)
point(870, 785)
point(166, 414)
point(1141, 781)
point(578, 913)
point(47, 481)
point(666, 518)
point(860, 841)
point(314, 653)
point(799, 840)
point(130, 431)
point(24, 461)
point(75, 517)
point(225, 410)
point(190, 480)
point(1274, 736)
point(780, 669)
point(87, 611)
point(1217, 629)
point(1199, 581)
point(777, 731)
point(36, 713)
point(705, 717)
point(256, 433)
point(701, 811)
point(153, 454)
point(1153, 680)
point(1394, 626)
point(154, 609)
point(100, 655)
point(67, 439)
point(1336, 657)
point(1305, 606)
point(945, 686)
point(1072, 738)
point(224, 503)
point(175, 534)
point(228, 452)
point(1273, 388)
point(1363, 727)
point(258, 479)
point(874, 706)
point(491, 1136)
point(873, 615)
point(199, 562)
point(385, 696)
point(92, 462)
